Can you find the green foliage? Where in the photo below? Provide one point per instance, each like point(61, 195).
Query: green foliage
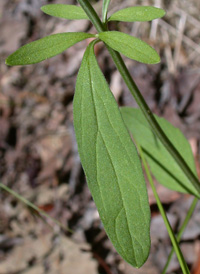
point(130, 46)
point(144, 13)
point(70, 12)
point(174, 241)
point(105, 10)
point(108, 155)
point(111, 163)
point(162, 164)
point(45, 48)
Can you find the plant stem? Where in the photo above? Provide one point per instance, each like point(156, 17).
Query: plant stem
point(100, 27)
point(150, 118)
point(174, 241)
point(91, 13)
point(187, 218)
point(105, 10)
point(34, 207)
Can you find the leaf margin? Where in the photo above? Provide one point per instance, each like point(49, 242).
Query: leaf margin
point(16, 58)
point(167, 127)
point(80, 137)
point(123, 14)
point(127, 40)
point(54, 9)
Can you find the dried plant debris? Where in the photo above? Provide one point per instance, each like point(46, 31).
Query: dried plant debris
point(38, 152)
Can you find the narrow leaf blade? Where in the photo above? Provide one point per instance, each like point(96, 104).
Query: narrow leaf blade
point(105, 10)
point(70, 12)
point(45, 48)
point(111, 163)
point(130, 46)
point(162, 164)
point(141, 14)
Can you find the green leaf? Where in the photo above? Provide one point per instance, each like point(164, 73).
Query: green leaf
point(111, 163)
point(45, 48)
point(130, 46)
point(105, 10)
point(70, 12)
point(132, 14)
point(162, 164)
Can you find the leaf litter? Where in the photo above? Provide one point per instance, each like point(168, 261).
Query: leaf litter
point(38, 155)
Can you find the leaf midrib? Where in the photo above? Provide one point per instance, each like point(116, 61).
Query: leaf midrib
point(127, 45)
point(131, 236)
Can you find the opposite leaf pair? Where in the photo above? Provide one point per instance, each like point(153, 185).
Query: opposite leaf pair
point(131, 14)
point(53, 45)
point(108, 155)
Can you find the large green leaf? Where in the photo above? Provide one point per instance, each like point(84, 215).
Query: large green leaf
point(70, 12)
point(162, 164)
point(130, 46)
point(144, 13)
point(111, 163)
point(45, 48)
point(105, 10)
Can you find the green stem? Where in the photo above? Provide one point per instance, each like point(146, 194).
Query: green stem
point(187, 218)
point(37, 209)
point(175, 244)
point(100, 27)
point(91, 13)
point(105, 10)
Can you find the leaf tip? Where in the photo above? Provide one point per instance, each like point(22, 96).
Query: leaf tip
point(157, 60)
point(43, 8)
point(8, 61)
point(162, 13)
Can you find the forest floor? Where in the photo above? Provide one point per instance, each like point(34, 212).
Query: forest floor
point(38, 152)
